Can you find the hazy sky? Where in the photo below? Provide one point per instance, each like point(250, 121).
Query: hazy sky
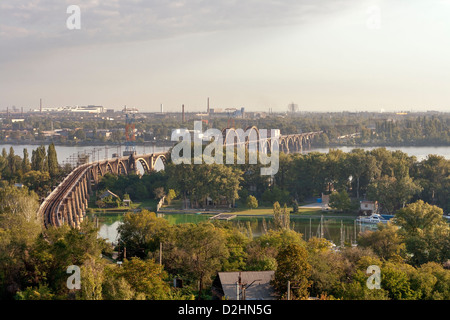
point(324, 55)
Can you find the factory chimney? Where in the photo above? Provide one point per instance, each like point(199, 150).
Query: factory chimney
point(162, 108)
point(182, 111)
point(40, 105)
point(207, 108)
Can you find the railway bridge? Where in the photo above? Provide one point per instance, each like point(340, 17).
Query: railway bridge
point(287, 143)
point(68, 202)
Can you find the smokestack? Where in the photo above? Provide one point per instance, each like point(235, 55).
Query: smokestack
point(182, 111)
point(207, 109)
point(40, 105)
point(161, 108)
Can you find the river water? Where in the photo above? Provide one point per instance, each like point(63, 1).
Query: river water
point(104, 152)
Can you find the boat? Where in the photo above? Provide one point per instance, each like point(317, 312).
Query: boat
point(375, 218)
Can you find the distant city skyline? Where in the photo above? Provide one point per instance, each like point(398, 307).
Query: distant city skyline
point(325, 56)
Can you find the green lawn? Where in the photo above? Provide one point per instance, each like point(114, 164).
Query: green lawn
point(269, 211)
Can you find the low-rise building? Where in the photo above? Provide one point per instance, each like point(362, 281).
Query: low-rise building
point(369, 207)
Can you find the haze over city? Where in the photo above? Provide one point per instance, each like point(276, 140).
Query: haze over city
point(323, 55)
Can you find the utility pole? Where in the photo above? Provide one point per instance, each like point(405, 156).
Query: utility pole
point(289, 290)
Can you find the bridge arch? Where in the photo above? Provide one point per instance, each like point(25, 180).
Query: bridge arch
point(109, 168)
point(284, 145)
point(144, 164)
point(275, 143)
point(121, 168)
point(160, 157)
point(266, 146)
point(230, 133)
point(100, 172)
point(250, 130)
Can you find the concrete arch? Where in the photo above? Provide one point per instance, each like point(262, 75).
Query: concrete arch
point(249, 130)
point(273, 143)
point(121, 168)
point(267, 146)
point(109, 168)
point(100, 171)
point(284, 145)
point(230, 133)
point(291, 144)
point(144, 164)
point(163, 159)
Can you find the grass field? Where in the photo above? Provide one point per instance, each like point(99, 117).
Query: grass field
point(269, 211)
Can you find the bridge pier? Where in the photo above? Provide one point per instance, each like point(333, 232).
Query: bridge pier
point(84, 193)
point(81, 199)
point(68, 211)
point(89, 183)
point(79, 212)
point(73, 209)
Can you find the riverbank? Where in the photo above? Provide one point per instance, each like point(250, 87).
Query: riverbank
point(264, 212)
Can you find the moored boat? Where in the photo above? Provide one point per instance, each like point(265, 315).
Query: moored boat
point(372, 219)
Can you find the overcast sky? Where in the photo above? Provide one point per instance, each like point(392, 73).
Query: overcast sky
point(324, 55)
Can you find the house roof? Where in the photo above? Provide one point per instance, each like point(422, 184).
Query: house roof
point(260, 288)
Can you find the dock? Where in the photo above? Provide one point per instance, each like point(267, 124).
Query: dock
point(223, 216)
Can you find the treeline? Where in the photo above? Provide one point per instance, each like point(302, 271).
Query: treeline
point(412, 256)
point(39, 173)
point(392, 178)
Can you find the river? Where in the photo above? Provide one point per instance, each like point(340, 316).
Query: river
point(103, 152)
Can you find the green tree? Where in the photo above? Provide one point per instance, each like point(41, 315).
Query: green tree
point(392, 194)
point(26, 165)
point(12, 164)
point(281, 217)
point(53, 166)
point(340, 201)
point(38, 181)
point(38, 159)
point(292, 266)
point(92, 279)
point(251, 202)
point(170, 196)
point(20, 226)
point(199, 252)
point(361, 164)
point(386, 242)
point(395, 279)
point(40, 293)
point(159, 193)
point(145, 278)
point(427, 235)
point(141, 233)
point(115, 287)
